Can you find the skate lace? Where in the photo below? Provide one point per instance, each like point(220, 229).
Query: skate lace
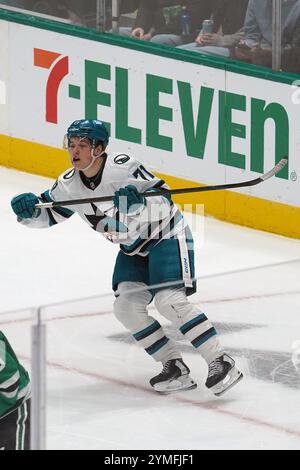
point(215, 367)
point(166, 366)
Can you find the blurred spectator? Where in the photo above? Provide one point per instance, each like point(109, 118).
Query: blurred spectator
point(128, 6)
point(228, 17)
point(68, 9)
point(159, 21)
point(81, 12)
point(170, 34)
point(149, 18)
point(256, 47)
point(291, 43)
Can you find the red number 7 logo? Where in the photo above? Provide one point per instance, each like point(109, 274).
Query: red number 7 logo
point(58, 70)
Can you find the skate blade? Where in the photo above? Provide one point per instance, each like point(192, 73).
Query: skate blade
point(235, 376)
point(173, 386)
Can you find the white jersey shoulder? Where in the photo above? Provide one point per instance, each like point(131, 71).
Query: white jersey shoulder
point(125, 166)
point(65, 184)
point(122, 162)
point(122, 169)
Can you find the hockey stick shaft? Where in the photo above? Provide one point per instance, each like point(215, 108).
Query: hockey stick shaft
point(164, 192)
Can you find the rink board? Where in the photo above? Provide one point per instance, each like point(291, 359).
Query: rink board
point(197, 121)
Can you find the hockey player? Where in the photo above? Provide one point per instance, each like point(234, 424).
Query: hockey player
point(14, 400)
point(156, 246)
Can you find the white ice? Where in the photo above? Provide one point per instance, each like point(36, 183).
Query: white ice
point(98, 395)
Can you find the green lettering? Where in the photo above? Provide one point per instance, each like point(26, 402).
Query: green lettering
point(195, 139)
point(123, 130)
point(94, 97)
point(229, 129)
point(259, 114)
point(156, 112)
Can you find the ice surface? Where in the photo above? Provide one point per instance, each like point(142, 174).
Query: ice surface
point(98, 392)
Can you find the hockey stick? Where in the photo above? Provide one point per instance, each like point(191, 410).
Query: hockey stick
point(164, 192)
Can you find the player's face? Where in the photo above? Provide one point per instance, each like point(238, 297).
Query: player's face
point(80, 151)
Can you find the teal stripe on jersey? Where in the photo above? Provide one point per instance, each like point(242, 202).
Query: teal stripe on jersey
point(145, 245)
point(63, 211)
point(141, 240)
point(159, 184)
point(46, 196)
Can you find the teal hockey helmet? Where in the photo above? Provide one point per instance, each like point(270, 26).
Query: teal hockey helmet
point(91, 129)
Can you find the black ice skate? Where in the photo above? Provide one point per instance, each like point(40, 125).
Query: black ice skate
point(173, 378)
point(222, 375)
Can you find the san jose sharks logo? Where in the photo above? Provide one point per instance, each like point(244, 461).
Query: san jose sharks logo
point(104, 224)
point(96, 218)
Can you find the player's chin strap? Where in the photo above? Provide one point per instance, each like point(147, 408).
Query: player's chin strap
point(93, 159)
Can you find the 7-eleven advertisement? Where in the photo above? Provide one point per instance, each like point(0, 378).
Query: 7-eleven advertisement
point(187, 120)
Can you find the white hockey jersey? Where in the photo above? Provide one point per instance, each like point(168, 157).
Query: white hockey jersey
point(137, 231)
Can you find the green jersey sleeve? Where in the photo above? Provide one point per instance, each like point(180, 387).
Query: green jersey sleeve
point(14, 379)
